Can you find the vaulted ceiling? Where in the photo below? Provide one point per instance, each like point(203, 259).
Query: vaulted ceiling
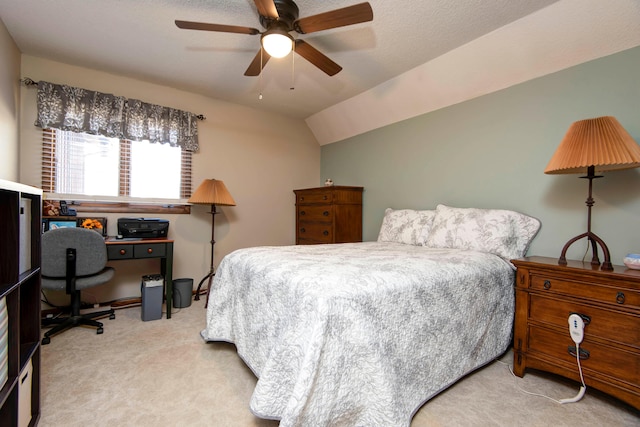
point(138, 38)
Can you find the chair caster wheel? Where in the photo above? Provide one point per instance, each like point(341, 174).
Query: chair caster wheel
point(99, 331)
point(46, 340)
point(112, 316)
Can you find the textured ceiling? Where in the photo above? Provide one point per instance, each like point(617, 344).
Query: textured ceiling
point(138, 38)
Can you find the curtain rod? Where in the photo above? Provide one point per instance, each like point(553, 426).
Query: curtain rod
point(30, 82)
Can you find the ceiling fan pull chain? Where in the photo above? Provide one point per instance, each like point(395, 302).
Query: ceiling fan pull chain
point(293, 67)
point(260, 76)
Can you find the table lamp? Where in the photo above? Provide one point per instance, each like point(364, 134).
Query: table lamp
point(211, 192)
point(600, 144)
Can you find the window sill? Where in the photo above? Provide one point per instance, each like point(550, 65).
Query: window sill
point(126, 207)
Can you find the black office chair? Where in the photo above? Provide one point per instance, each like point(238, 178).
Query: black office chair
point(74, 259)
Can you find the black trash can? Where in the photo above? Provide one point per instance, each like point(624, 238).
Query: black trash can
point(182, 291)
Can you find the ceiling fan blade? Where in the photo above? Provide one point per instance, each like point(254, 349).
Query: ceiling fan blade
point(255, 68)
point(317, 58)
point(336, 18)
point(189, 25)
point(267, 8)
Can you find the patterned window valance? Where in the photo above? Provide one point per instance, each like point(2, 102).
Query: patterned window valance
point(80, 110)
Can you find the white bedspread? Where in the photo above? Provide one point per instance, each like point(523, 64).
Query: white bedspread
point(359, 334)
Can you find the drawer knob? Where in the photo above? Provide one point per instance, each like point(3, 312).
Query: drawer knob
point(325, 213)
point(303, 213)
point(620, 298)
point(301, 198)
point(324, 197)
point(325, 233)
point(122, 252)
point(547, 284)
point(149, 250)
point(302, 230)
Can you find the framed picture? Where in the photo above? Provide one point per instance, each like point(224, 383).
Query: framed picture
point(97, 224)
point(51, 224)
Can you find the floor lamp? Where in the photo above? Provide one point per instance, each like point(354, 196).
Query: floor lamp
point(211, 192)
point(591, 145)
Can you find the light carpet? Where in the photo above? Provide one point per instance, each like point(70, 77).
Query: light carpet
point(161, 373)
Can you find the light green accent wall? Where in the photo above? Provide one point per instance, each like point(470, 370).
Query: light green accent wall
point(491, 152)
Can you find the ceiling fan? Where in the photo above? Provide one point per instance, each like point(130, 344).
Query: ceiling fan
point(279, 18)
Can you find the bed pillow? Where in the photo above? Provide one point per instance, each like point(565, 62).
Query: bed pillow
point(501, 232)
point(406, 226)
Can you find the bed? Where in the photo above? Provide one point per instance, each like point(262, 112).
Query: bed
point(363, 334)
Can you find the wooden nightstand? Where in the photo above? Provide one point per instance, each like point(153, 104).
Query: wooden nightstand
point(328, 215)
point(608, 301)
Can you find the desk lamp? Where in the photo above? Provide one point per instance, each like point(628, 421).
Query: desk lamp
point(594, 144)
point(211, 192)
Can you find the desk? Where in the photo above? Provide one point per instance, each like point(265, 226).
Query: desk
point(122, 249)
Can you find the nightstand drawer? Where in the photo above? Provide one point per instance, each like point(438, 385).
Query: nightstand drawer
point(605, 324)
point(316, 213)
point(604, 359)
point(604, 292)
point(314, 231)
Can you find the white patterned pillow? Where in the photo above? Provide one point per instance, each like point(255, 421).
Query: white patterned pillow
point(406, 226)
point(501, 232)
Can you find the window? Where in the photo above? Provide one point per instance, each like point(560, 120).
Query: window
point(93, 165)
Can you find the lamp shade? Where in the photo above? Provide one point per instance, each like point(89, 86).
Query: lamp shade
point(212, 192)
point(601, 142)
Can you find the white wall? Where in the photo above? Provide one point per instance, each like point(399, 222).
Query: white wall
point(260, 157)
point(9, 105)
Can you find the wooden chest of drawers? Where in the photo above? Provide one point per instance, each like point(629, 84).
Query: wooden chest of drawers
point(608, 301)
point(328, 215)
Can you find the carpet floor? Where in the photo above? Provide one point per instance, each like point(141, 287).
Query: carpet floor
point(161, 373)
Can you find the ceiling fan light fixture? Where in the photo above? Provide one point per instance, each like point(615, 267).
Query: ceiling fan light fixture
point(281, 17)
point(277, 42)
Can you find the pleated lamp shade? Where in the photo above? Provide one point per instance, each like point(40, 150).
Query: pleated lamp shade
point(212, 192)
point(601, 142)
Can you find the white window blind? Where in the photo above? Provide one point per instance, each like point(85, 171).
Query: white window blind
point(95, 165)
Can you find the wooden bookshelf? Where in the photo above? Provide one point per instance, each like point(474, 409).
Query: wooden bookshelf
point(20, 231)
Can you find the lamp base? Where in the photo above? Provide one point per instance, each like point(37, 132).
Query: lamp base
point(212, 271)
point(208, 276)
point(593, 239)
point(595, 261)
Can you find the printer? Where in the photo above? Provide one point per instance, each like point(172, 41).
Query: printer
point(143, 227)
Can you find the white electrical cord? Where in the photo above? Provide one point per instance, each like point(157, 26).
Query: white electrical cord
point(561, 401)
point(583, 389)
point(576, 330)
